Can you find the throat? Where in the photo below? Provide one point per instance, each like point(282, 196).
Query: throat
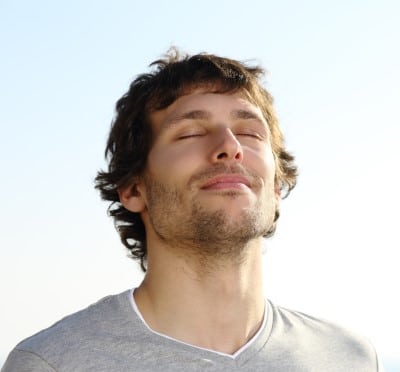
point(219, 329)
point(220, 308)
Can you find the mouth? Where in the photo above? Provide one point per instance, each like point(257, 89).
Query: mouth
point(227, 181)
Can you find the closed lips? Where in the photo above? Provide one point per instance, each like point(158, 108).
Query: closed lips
point(229, 179)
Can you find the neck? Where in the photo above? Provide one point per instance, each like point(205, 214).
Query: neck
point(218, 306)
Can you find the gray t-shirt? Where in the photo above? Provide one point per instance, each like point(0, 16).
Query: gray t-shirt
point(111, 336)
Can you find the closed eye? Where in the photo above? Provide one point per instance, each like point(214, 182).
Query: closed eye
point(250, 134)
point(189, 135)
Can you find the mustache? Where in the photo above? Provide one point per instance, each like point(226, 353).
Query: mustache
point(218, 169)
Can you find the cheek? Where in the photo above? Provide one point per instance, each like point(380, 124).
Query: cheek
point(174, 162)
point(262, 162)
point(270, 163)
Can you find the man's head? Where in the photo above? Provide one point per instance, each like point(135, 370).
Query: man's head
point(132, 135)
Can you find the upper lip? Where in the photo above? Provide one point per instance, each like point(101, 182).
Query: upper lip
point(226, 178)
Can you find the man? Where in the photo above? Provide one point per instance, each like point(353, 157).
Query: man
point(197, 169)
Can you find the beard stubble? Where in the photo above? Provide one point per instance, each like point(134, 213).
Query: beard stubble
point(210, 234)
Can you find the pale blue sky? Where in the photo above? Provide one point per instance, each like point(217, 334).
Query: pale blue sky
point(334, 69)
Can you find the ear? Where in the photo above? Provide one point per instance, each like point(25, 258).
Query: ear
point(133, 198)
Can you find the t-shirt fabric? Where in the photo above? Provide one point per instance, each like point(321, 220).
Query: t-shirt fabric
point(110, 335)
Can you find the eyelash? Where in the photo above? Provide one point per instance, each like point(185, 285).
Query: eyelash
point(189, 136)
point(186, 136)
point(254, 135)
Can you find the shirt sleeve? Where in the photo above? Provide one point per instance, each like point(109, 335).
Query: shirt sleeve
point(25, 361)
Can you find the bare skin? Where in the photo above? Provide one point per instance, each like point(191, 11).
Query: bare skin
point(220, 310)
point(206, 200)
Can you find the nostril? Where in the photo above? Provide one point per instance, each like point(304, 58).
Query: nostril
point(238, 155)
point(222, 155)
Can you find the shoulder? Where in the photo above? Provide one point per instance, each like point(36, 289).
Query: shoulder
point(287, 320)
point(71, 335)
point(311, 336)
point(86, 321)
point(25, 361)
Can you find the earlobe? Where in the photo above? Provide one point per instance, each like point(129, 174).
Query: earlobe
point(132, 198)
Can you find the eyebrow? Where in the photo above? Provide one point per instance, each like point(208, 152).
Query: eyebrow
point(245, 114)
point(206, 115)
point(189, 115)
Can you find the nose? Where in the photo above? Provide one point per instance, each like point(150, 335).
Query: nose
point(227, 147)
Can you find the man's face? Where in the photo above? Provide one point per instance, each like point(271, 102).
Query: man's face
point(209, 180)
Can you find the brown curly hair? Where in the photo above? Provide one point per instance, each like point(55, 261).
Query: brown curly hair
point(129, 141)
